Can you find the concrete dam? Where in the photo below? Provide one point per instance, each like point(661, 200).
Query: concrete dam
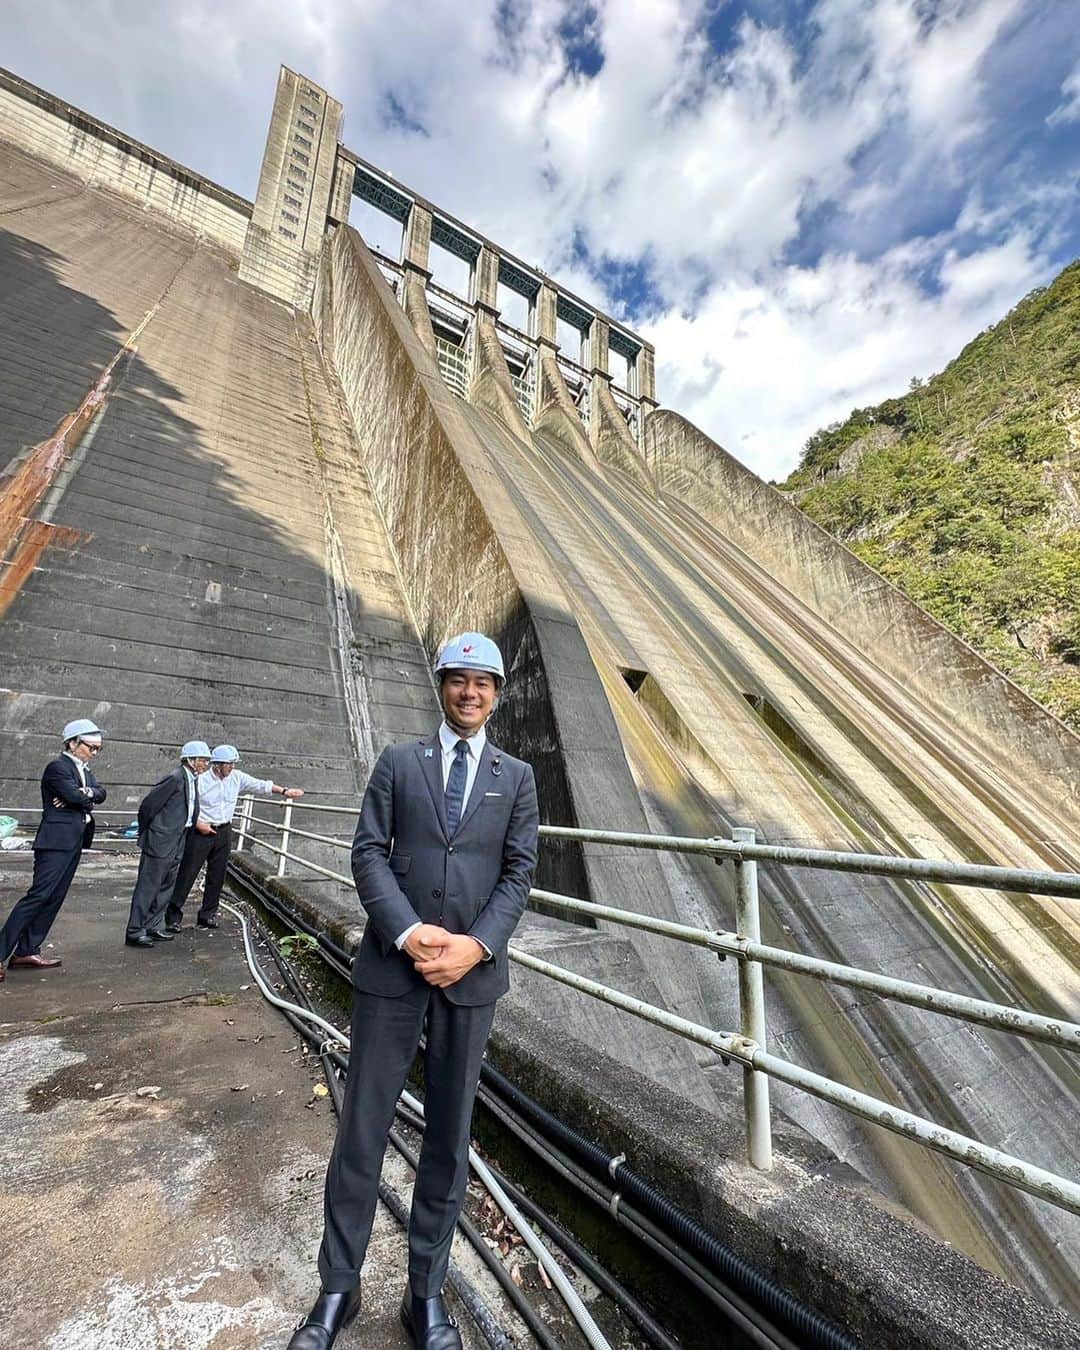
point(255, 471)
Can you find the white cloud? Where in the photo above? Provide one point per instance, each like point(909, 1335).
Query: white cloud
point(1068, 110)
point(763, 366)
point(706, 165)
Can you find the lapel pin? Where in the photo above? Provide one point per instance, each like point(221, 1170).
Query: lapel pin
point(429, 753)
point(496, 766)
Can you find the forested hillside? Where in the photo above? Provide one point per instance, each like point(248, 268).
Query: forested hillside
point(965, 492)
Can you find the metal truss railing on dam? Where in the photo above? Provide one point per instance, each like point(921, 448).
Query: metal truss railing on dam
point(747, 1047)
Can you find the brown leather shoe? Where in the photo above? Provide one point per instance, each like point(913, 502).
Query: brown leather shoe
point(1, 974)
point(34, 962)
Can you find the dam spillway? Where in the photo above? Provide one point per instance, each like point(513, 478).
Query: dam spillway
point(312, 463)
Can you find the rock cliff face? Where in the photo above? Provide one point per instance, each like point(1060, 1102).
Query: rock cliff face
point(966, 492)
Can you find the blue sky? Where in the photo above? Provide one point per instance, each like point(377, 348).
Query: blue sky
point(803, 203)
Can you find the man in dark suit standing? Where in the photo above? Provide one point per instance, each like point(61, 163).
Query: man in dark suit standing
point(166, 814)
point(443, 860)
point(69, 793)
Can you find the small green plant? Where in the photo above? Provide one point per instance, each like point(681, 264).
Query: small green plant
point(298, 944)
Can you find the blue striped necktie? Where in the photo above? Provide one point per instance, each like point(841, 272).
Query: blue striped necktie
point(455, 786)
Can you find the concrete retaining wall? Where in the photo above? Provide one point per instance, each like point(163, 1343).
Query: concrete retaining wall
point(100, 156)
point(1000, 721)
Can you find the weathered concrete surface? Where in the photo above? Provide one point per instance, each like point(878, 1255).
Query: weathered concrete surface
point(468, 560)
point(100, 156)
point(1009, 731)
point(491, 386)
point(234, 581)
point(812, 1224)
point(659, 592)
point(610, 435)
point(284, 239)
point(183, 1219)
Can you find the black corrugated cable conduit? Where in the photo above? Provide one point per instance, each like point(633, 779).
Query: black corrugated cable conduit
point(760, 1288)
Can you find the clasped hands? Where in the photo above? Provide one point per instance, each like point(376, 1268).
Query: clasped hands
point(440, 956)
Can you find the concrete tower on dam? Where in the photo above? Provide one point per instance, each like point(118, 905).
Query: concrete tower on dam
point(255, 470)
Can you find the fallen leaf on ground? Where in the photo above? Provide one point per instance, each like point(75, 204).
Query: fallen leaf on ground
point(320, 1090)
point(154, 1092)
point(240, 1087)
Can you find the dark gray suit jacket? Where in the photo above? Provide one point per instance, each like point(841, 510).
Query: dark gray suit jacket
point(163, 813)
point(409, 870)
point(66, 827)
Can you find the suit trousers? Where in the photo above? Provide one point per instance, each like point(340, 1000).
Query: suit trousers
point(29, 922)
point(385, 1037)
point(212, 849)
point(153, 889)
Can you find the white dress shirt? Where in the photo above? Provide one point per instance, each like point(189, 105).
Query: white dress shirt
point(448, 739)
point(217, 796)
point(189, 787)
point(82, 778)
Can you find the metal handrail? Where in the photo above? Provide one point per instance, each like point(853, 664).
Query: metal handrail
point(1025, 1176)
point(747, 1048)
point(1062, 885)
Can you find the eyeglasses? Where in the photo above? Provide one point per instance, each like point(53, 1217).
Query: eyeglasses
point(94, 749)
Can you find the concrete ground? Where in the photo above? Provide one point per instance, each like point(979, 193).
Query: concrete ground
point(161, 1146)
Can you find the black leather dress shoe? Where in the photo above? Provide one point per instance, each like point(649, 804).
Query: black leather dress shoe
point(428, 1323)
point(159, 935)
point(208, 923)
point(331, 1314)
point(173, 927)
point(140, 940)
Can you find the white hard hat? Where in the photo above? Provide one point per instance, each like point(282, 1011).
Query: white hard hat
point(194, 750)
point(224, 754)
point(81, 727)
point(471, 651)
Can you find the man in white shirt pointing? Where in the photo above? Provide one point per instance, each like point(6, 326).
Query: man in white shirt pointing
point(210, 842)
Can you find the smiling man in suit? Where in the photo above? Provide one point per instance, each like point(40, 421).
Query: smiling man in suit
point(166, 814)
point(69, 793)
point(443, 859)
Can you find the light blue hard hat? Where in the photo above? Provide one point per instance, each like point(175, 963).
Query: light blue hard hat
point(471, 651)
point(81, 727)
point(194, 750)
point(224, 754)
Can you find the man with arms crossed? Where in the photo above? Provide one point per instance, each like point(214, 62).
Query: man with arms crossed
point(69, 793)
point(443, 860)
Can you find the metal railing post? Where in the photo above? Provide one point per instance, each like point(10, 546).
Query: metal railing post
point(285, 823)
point(245, 824)
point(752, 1008)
